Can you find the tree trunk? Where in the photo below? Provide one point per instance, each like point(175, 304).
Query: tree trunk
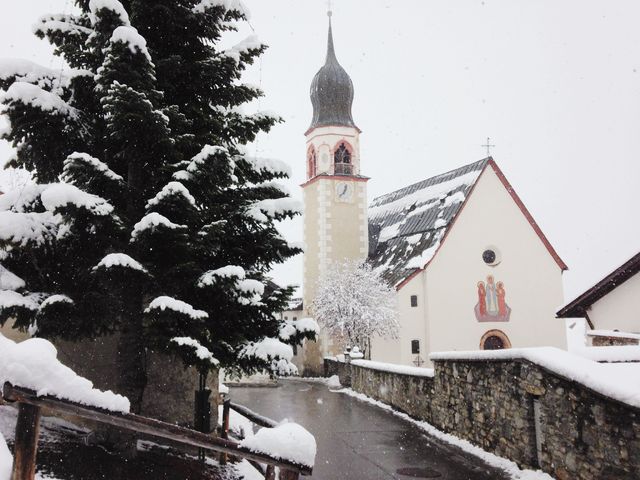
point(130, 362)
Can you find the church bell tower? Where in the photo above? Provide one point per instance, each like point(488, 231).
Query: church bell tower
point(335, 195)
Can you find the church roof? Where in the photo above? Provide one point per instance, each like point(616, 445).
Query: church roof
point(407, 226)
point(580, 305)
point(331, 92)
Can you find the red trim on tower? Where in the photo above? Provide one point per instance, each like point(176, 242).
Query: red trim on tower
point(330, 126)
point(335, 178)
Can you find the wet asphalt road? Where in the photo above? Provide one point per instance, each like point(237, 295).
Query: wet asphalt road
point(358, 441)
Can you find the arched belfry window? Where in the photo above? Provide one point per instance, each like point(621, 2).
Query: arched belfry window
point(342, 159)
point(311, 163)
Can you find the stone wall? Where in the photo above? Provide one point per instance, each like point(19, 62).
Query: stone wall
point(169, 395)
point(515, 409)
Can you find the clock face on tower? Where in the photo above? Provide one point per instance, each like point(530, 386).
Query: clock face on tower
point(344, 191)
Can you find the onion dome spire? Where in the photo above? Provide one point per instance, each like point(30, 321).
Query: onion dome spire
point(331, 91)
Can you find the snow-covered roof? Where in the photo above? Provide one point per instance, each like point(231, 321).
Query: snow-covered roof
point(407, 226)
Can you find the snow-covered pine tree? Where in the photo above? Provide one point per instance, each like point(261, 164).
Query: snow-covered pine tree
point(147, 217)
point(354, 302)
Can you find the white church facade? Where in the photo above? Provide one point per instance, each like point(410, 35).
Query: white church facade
point(471, 268)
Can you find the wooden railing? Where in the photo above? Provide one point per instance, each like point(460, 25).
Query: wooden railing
point(269, 471)
point(28, 426)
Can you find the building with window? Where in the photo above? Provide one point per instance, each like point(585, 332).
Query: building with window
point(471, 268)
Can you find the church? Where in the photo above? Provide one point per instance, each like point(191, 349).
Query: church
point(470, 266)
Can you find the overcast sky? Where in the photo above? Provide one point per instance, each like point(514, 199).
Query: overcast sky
point(555, 84)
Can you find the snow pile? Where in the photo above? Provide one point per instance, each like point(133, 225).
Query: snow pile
point(37, 97)
point(334, 382)
point(287, 441)
point(33, 364)
point(591, 374)
point(119, 260)
point(114, 5)
point(60, 195)
point(131, 37)
point(200, 351)
point(163, 303)
point(152, 221)
point(6, 460)
point(171, 189)
point(394, 368)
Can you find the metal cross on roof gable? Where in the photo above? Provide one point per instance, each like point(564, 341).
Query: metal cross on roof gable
point(488, 146)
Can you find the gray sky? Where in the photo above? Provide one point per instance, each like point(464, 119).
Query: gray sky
point(556, 85)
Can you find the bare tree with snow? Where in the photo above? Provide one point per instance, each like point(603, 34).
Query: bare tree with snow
point(353, 301)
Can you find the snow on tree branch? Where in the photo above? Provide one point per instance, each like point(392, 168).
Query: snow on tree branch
point(354, 301)
point(163, 303)
point(119, 260)
point(152, 221)
point(60, 195)
point(200, 351)
point(36, 97)
point(113, 5)
point(130, 37)
point(171, 189)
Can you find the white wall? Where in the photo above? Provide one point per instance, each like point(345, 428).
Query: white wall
point(412, 327)
point(531, 276)
point(619, 309)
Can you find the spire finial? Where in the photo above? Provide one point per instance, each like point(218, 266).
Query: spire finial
point(331, 53)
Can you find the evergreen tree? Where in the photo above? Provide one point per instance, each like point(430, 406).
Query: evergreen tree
point(147, 217)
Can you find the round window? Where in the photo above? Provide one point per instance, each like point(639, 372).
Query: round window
point(491, 256)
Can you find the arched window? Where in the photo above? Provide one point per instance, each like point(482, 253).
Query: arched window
point(494, 340)
point(311, 163)
point(342, 159)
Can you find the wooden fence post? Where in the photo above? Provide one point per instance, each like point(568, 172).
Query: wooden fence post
point(226, 408)
point(270, 473)
point(288, 475)
point(26, 446)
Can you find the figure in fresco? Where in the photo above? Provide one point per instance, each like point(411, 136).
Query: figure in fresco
point(482, 299)
point(502, 304)
point(492, 298)
point(492, 304)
